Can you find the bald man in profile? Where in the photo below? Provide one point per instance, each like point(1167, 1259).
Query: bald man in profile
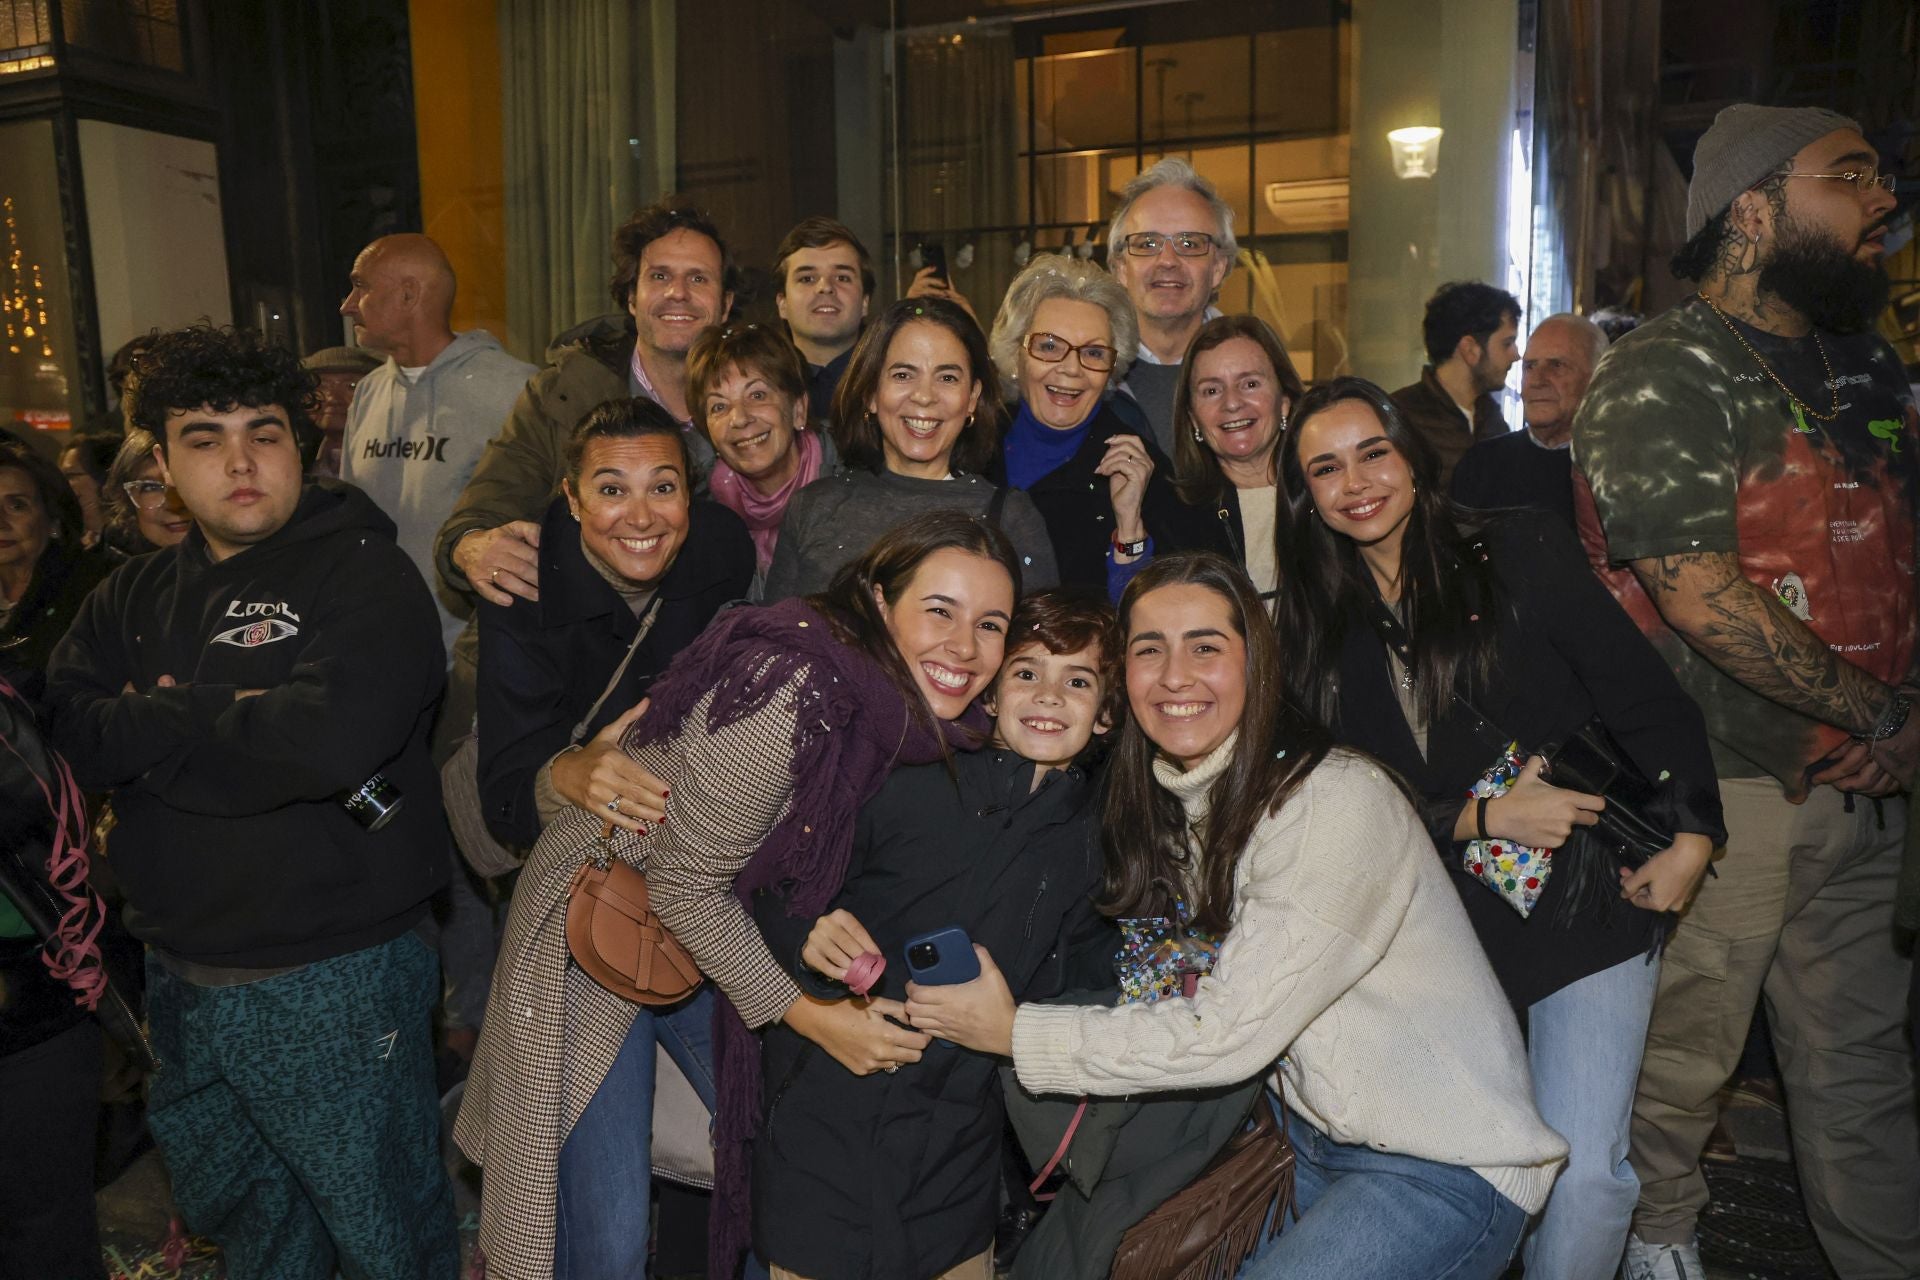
point(419, 422)
point(415, 430)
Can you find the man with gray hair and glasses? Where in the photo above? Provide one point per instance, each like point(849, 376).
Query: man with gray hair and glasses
point(1170, 244)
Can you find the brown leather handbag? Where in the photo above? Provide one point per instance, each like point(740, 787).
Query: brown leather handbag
point(616, 937)
point(1220, 1219)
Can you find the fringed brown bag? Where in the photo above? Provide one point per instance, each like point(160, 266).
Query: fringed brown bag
point(1221, 1218)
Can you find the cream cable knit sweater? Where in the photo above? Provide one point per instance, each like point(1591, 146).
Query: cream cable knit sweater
point(1350, 954)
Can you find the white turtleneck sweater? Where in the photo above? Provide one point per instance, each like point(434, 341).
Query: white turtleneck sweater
point(1351, 955)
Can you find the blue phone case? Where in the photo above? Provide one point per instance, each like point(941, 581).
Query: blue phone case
point(953, 960)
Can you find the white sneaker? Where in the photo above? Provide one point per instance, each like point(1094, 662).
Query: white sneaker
point(1661, 1261)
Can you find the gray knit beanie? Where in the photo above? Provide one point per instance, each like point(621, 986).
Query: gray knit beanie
point(1745, 144)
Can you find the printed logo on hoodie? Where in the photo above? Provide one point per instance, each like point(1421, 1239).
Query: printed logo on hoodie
point(432, 449)
point(271, 622)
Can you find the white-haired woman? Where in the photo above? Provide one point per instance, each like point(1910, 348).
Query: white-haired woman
point(1063, 339)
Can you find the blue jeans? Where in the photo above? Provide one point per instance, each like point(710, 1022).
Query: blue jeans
point(1387, 1217)
point(606, 1163)
point(1584, 1044)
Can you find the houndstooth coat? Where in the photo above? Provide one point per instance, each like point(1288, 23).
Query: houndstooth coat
point(551, 1033)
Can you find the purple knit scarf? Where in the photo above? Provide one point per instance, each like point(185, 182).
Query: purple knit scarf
point(854, 728)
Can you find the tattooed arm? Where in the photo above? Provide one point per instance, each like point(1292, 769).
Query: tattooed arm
point(1742, 629)
point(1747, 633)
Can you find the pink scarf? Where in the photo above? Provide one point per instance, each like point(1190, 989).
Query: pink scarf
point(763, 513)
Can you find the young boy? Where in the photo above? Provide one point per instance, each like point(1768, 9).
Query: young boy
point(897, 1173)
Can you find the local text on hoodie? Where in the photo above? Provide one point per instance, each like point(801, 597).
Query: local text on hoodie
point(232, 845)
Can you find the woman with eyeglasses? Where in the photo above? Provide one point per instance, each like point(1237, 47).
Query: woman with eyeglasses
point(916, 419)
point(142, 513)
point(1063, 340)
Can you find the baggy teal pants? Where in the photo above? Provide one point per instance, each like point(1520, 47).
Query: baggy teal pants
point(298, 1118)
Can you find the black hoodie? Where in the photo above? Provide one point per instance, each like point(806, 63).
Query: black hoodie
point(231, 844)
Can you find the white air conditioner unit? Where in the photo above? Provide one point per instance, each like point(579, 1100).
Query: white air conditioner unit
point(1309, 204)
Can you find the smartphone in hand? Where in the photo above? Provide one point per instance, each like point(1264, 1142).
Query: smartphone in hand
point(943, 958)
point(934, 254)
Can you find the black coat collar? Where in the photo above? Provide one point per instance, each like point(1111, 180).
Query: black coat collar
point(571, 590)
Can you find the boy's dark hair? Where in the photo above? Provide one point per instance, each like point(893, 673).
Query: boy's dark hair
point(624, 420)
point(1464, 309)
point(818, 232)
point(1064, 621)
point(223, 368)
point(649, 224)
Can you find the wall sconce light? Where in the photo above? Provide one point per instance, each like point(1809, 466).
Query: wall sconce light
point(1416, 151)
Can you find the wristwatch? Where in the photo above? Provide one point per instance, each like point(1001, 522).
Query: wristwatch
point(1135, 549)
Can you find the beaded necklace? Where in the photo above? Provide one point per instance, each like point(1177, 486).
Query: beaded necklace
point(1801, 409)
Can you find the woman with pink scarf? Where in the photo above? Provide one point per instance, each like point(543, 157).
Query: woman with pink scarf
point(747, 389)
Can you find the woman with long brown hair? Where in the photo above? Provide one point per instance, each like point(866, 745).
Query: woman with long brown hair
point(1434, 638)
point(1325, 940)
point(916, 419)
point(1230, 408)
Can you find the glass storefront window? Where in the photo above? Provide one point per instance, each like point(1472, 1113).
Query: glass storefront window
point(39, 389)
point(1260, 114)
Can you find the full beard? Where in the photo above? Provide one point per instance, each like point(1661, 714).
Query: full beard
point(1833, 289)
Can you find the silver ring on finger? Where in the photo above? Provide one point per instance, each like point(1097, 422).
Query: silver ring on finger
point(613, 805)
point(892, 1067)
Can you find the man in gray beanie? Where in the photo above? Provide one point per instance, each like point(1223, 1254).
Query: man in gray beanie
point(1750, 457)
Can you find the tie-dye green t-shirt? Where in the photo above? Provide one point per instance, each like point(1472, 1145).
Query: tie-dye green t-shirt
point(1687, 445)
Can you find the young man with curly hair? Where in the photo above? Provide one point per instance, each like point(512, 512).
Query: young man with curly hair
point(253, 698)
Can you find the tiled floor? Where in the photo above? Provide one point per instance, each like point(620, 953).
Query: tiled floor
point(1754, 1230)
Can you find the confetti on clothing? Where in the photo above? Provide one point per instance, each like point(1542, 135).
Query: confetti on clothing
point(1162, 956)
point(1517, 872)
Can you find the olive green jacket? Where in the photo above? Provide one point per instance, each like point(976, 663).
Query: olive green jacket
point(520, 471)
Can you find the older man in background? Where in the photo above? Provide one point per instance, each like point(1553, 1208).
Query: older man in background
point(1170, 244)
point(1533, 467)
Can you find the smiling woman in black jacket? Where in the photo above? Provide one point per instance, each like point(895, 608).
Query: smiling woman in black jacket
point(624, 550)
point(1230, 409)
point(1507, 636)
